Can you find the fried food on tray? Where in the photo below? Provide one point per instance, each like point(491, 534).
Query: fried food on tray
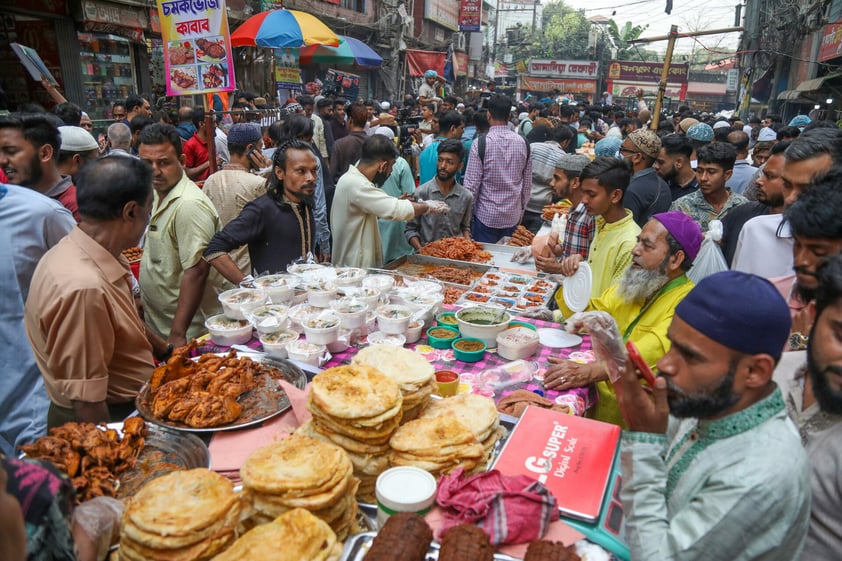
point(458, 248)
point(91, 455)
point(202, 393)
point(541, 550)
point(450, 274)
point(466, 542)
point(405, 537)
point(452, 294)
point(561, 207)
point(521, 237)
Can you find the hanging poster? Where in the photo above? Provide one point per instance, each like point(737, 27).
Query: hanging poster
point(342, 84)
point(287, 70)
point(197, 46)
point(470, 15)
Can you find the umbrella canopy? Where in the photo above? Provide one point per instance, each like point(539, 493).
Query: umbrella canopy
point(349, 51)
point(283, 28)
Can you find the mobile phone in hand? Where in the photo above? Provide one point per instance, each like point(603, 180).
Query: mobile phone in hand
point(640, 364)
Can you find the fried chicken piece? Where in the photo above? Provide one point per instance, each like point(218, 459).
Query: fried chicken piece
point(167, 396)
point(185, 405)
point(178, 366)
point(134, 426)
point(213, 410)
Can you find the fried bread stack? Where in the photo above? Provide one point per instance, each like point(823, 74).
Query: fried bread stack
point(183, 516)
point(357, 408)
point(476, 412)
point(301, 472)
point(412, 372)
point(437, 445)
point(295, 535)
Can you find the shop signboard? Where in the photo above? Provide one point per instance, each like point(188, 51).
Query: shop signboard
point(624, 89)
point(343, 84)
point(470, 15)
point(287, 70)
point(636, 71)
point(551, 68)
point(531, 83)
point(443, 12)
point(125, 21)
point(197, 46)
point(831, 45)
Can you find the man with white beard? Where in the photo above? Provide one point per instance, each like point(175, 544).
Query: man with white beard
point(642, 302)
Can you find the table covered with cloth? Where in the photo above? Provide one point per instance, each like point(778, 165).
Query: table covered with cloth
point(579, 400)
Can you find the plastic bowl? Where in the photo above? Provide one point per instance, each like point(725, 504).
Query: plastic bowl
point(517, 343)
point(275, 344)
point(437, 339)
point(393, 318)
point(237, 303)
point(280, 288)
point(226, 331)
point(305, 352)
point(483, 323)
point(447, 319)
point(370, 296)
point(320, 295)
point(322, 329)
point(349, 276)
point(468, 349)
point(297, 315)
point(381, 283)
point(270, 318)
point(351, 312)
point(303, 268)
point(413, 332)
point(513, 324)
point(380, 338)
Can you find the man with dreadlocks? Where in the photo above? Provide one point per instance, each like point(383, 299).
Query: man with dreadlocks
point(279, 226)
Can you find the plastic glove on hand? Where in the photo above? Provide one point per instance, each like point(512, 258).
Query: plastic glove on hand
point(437, 207)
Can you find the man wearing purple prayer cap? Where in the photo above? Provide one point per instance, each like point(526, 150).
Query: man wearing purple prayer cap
point(642, 302)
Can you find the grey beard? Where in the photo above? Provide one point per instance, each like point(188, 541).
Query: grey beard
point(638, 285)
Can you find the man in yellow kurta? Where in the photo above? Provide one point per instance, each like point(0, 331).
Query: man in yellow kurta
point(642, 302)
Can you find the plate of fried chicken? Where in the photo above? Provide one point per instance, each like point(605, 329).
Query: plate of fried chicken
point(216, 392)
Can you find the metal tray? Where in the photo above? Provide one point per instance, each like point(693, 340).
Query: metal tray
point(260, 404)
point(357, 546)
point(165, 450)
point(415, 265)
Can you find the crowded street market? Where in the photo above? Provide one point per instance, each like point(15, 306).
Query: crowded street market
point(318, 282)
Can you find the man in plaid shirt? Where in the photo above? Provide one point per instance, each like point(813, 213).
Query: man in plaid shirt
point(500, 181)
point(579, 232)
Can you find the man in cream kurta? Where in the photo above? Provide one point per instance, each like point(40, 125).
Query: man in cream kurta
point(358, 203)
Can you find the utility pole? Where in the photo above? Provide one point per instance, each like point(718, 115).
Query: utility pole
point(673, 35)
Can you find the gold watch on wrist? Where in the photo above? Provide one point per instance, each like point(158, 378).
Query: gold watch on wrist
point(798, 341)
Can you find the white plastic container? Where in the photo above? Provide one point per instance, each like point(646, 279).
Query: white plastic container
point(237, 303)
point(483, 322)
point(517, 343)
point(280, 288)
point(404, 489)
point(321, 329)
point(414, 330)
point(300, 312)
point(391, 339)
point(393, 318)
point(382, 283)
point(349, 276)
point(226, 331)
point(305, 352)
point(320, 294)
point(275, 344)
point(269, 318)
point(371, 296)
point(351, 312)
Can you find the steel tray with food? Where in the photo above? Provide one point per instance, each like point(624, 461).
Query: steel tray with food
point(263, 401)
point(462, 273)
point(357, 546)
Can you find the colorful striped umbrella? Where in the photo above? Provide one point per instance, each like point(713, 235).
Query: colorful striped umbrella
point(349, 51)
point(283, 28)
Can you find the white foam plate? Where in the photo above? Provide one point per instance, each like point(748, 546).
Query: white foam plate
point(557, 338)
point(577, 288)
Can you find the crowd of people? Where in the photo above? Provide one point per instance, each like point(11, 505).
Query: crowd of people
point(729, 456)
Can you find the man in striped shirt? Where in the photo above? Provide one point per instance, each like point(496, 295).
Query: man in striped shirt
point(500, 179)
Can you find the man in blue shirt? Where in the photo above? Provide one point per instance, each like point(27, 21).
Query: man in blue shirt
point(451, 125)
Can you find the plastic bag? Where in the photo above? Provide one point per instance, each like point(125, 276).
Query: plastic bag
point(559, 224)
point(509, 374)
point(709, 260)
point(608, 345)
point(99, 519)
point(437, 207)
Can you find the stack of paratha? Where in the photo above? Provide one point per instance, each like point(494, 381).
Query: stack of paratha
point(296, 535)
point(476, 412)
point(437, 445)
point(302, 472)
point(183, 516)
point(412, 372)
point(357, 408)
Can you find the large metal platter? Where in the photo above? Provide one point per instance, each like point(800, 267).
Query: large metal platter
point(357, 546)
point(165, 450)
point(260, 404)
point(420, 265)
